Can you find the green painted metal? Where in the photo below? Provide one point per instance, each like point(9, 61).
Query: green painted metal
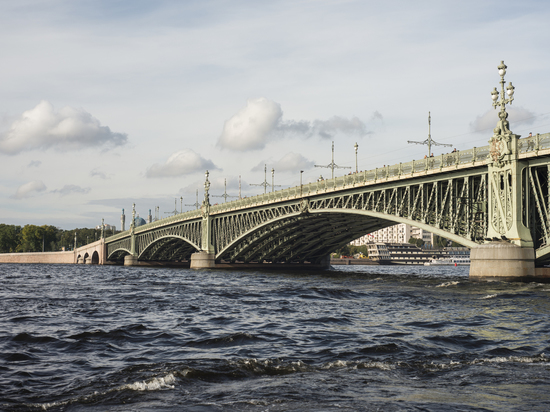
point(471, 196)
point(447, 195)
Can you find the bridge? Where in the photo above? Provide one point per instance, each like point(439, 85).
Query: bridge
point(494, 199)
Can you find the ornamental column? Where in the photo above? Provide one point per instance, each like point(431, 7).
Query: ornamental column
point(508, 252)
point(206, 257)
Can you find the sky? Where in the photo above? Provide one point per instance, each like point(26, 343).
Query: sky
point(106, 103)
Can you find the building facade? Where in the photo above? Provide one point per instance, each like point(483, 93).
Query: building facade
point(400, 233)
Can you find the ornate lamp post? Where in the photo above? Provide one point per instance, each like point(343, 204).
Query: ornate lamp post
point(509, 90)
point(502, 137)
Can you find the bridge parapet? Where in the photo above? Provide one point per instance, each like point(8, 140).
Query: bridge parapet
point(475, 157)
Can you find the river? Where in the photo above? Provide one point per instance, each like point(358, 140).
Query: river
point(354, 338)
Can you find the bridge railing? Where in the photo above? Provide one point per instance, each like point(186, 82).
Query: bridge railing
point(192, 214)
point(534, 143)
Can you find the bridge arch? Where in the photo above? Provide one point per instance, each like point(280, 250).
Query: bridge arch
point(169, 248)
point(312, 235)
point(118, 254)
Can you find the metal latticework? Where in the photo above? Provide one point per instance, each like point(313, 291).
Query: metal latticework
point(460, 196)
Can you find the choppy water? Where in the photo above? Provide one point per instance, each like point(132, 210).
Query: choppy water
point(99, 338)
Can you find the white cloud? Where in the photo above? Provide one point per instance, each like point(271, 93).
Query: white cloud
point(28, 189)
point(70, 189)
point(489, 119)
point(68, 129)
point(262, 119)
point(184, 162)
point(250, 128)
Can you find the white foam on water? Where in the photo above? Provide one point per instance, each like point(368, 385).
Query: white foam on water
point(383, 366)
point(542, 358)
point(154, 384)
point(489, 296)
point(447, 284)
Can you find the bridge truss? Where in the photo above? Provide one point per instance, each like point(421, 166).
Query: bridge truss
point(449, 195)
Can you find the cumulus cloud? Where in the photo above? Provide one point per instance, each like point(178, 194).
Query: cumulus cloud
point(67, 129)
point(28, 189)
point(180, 163)
point(261, 120)
point(488, 120)
point(249, 129)
point(71, 189)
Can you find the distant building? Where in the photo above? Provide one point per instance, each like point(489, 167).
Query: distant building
point(106, 226)
point(400, 233)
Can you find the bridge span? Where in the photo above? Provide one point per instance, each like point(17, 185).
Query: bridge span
point(479, 197)
point(494, 199)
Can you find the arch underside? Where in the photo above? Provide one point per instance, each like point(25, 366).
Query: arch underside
point(118, 255)
point(168, 249)
point(300, 238)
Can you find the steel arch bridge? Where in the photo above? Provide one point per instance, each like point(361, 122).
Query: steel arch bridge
point(467, 196)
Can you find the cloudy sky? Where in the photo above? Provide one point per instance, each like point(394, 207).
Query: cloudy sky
point(108, 102)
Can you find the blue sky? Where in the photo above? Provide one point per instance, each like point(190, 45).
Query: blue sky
point(106, 103)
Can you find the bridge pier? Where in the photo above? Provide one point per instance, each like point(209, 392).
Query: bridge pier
point(130, 260)
point(501, 260)
point(201, 260)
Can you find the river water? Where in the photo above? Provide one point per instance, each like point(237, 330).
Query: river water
point(355, 338)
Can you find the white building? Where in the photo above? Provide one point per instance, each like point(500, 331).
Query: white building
point(400, 233)
point(106, 226)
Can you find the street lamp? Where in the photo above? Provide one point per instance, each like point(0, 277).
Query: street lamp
point(181, 204)
point(356, 147)
point(301, 173)
point(509, 90)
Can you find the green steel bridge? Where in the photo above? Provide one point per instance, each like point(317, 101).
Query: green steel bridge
point(494, 199)
point(495, 192)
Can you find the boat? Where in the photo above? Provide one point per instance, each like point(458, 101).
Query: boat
point(454, 261)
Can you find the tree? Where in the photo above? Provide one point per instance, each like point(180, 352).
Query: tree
point(9, 238)
point(35, 238)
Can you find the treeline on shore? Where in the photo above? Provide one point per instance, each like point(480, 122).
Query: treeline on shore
point(47, 238)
